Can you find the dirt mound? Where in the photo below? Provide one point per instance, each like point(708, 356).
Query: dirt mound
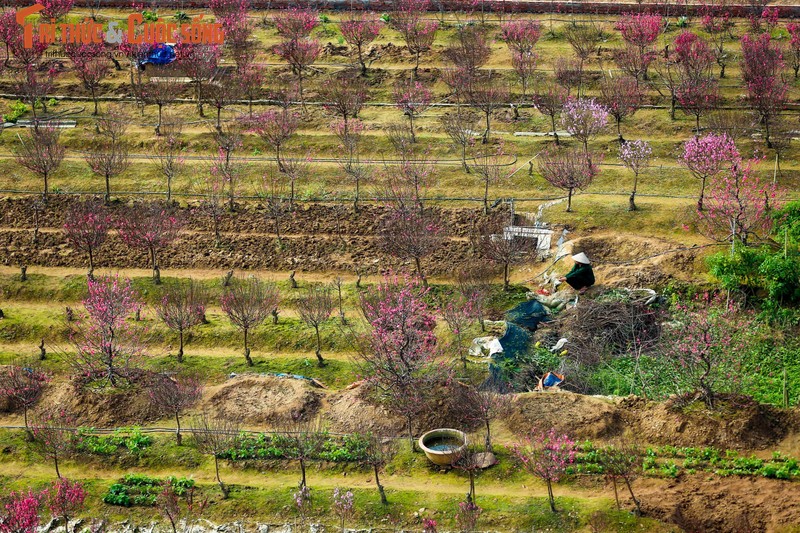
point(583, 417)
point(632, 260)
point(101, 408)
point(352, 410)
point(259, 400)
point(731, 504)
point(356, 410)
point(733, 424)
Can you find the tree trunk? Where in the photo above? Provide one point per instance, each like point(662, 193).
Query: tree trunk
point(411, 125)
point(505, 277)
point(90, 274)
point(222, 486)
point(320, 360)
point(156, 270)
point(247, 350)
point(303, 473)
point(199, 91)
point(108, 190)
point(488, 125)
point(550, 496)
point(486, 197)
point(631, 200)
point(384, 501)
point(180, 347)
point(178, 436)
point(702, 194)
point(569, 201)
point(55, 461)
point(553, 123)
point(635, 500)
point(419, 272)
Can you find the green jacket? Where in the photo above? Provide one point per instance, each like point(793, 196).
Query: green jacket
point(580, 276)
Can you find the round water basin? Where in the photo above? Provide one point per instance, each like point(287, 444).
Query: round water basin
point(442, 446)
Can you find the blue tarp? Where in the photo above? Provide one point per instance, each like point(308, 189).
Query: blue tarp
point(528, 314)
point(160, 54)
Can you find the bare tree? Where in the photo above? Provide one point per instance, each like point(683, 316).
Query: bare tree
point(487, 406)
point(474, 284)
point(182, 307)
point(622, 462)
point(23, 386)
point(550, 102)
point(53, 434)
point(315, 307)
point(487, 95)
point(303, 441)
point(378, 453)
point(505, 250)
point(168, 152)
point(568, 170)
point(585, 40)
point(411, 235)
point(460, 127)
point(108, 158)
point(214, 436)
point(151, 227)
point(159, 91)
point(248, 302)
point(174, 395)
point(488, 168)
point(41, 152)
point(86, 227)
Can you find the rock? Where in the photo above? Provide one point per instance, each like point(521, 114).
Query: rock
point(485, 459)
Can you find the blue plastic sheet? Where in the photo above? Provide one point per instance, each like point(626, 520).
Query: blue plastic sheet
point(160, 54)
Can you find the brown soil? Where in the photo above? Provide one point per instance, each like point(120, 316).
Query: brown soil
point(101, 409)
point(742, 425)
point(315, 238)
point(260, 400)
point(628, 260)
point(722, 505)
point(583, 417)
point(354, 410)
point(351, 410)
point(746, 426)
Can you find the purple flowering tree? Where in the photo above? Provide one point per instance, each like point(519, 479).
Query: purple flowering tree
point(107, 346)
point(343, 505)
point(635, 155)
point(707, 156)
point(546, 455)
point(398, 355)
point(583, 119)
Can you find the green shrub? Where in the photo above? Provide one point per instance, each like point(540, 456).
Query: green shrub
point(17, 110)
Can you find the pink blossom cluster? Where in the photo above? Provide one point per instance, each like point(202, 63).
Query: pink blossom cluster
point(521, 35)
point(635, 155)
point(295, 23)
point(639, 29)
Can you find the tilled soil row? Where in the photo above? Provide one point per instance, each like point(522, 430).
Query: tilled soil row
point(311, 219)
point(241, 252)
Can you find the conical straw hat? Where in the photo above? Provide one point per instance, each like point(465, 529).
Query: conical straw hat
point(581, 258)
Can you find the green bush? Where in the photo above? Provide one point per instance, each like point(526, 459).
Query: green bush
point(17, 110)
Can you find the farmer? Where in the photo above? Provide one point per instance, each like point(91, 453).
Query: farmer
point(581, 277)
